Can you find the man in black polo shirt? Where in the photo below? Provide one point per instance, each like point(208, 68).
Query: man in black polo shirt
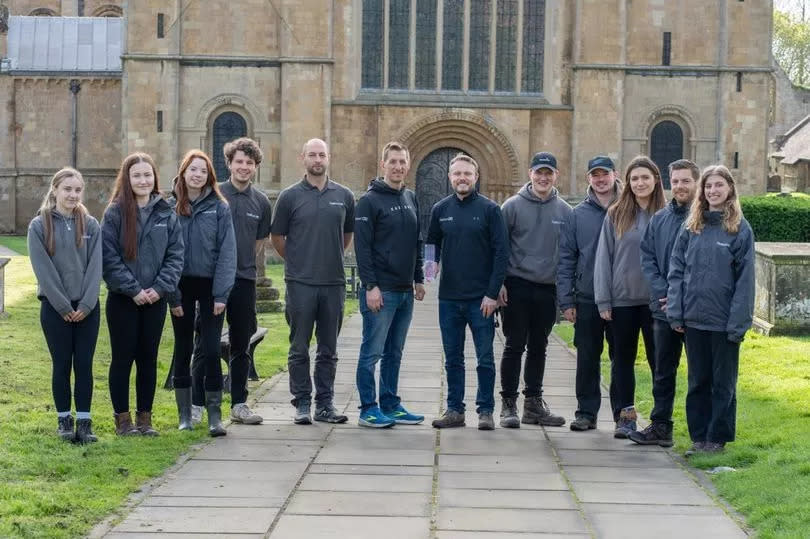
point(469, 233)
point(312, 226)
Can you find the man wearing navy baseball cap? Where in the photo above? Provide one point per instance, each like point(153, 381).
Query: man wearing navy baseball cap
point(578, 242)
point(534, 218)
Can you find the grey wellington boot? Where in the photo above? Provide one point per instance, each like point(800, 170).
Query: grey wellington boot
point(213, 404)
point(183, 398)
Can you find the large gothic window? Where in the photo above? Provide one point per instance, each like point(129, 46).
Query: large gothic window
point(666, 146)
point(227, 127)
point(475, 46)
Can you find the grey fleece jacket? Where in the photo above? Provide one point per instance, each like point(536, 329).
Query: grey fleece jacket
point(617, 277)
point(159, 259)
point(72, 273)
point(534, 226)
point(210, 245)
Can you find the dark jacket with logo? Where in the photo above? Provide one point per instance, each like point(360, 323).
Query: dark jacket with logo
point(471, 242)
point(71, 274)
point(159, 259)
point(656, 249)
point(579, 239)
point(534, 226)
point(711, 279)
point(210, 245)
point(386, 238)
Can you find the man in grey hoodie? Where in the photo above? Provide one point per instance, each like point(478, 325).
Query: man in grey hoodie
point(578, 242)
point(533, 218)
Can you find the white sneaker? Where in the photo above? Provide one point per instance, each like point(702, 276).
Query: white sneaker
point(240, 413)
point(196, 414)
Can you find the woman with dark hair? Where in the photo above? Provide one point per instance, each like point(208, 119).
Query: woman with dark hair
point(65, 250)
point(711, 298)
point(621, 292)
point(208, 276)
point(143, 258)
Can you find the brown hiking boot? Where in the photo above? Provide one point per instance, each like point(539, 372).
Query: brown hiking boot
point(536, 412)
point(124, 426)
point(626, 423)
point(144, 423)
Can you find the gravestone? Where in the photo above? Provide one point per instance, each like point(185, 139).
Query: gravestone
point(783, 296)
point(3, 262)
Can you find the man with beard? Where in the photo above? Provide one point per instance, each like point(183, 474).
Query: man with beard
point(656, 248)
point(389, 261)
point(533, 218)
point(578, 242)
point(312, 226)
point(470, 238)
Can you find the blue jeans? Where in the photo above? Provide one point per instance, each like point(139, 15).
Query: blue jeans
point(454, 317)
point(384, 334)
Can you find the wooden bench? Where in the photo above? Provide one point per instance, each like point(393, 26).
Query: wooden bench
point(225, 354)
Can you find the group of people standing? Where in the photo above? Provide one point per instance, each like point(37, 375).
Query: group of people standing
point(622, 263)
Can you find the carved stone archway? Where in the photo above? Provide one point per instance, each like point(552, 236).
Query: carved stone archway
point(474, 134)
point(672, 113)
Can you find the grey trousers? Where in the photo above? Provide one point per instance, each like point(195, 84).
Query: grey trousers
point(321, 308)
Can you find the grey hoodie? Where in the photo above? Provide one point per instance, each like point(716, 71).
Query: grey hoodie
point(210, 245)
point(72, 273)
point(617, 277)
point(159, 259)
point(578, 242)
point(533, 226)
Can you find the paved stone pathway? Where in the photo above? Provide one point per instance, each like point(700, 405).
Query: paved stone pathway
point(284, 481)
point(5, 251)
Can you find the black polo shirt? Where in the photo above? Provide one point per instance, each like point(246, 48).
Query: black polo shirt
point(313, 222)
point(251, 213)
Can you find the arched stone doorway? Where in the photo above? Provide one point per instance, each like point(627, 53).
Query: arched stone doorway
point(432, 183)
point(227, 126)
point(666, 146)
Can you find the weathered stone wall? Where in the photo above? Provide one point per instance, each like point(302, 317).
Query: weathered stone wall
point(251, 29)
point(794, 104)
point(25, 7)
point(550, 130)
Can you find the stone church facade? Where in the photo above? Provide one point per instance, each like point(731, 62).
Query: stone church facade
point(497, 79)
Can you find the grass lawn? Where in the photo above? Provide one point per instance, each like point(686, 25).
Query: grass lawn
point(55, 489)
point(18, 244)
point(771, 486)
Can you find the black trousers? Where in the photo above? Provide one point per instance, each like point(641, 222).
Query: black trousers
point(627, 323)
point(135, 332)
point(711, 401)
point(590, 333)
point(668, 346)
point(72, 346)
point(528, 317)
point(321, 308)
point(193, 290)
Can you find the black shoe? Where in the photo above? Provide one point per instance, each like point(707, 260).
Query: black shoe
point(65, 428)
point(213, 405)
point(536, 412)
point(697, 447)
point(714, 447)
point(485, 421)
point(328, 414)
point(84, 432)
point(582, 423)
point(509, 413)
point(449, 420)
point(654, 434)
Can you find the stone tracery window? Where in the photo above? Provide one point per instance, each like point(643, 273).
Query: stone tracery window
point(478, 46)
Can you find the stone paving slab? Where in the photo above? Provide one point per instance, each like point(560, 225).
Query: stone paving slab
point(339, 527)
point(280, 480)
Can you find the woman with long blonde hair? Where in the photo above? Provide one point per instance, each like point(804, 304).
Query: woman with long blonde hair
point(621, 292)
point(65, 250)
point(209, 271)
point(711, 299)
point(143, 257)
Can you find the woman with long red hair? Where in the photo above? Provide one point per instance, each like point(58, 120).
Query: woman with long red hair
point(143, 258)
point(208, 275)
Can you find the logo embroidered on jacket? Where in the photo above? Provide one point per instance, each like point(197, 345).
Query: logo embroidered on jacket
point(721, 244)
point(443, 219)
point(361, 218)
point(163, 225)
point(553, 222)
point(336, 204)
point(210, 211)
point(251, 215)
